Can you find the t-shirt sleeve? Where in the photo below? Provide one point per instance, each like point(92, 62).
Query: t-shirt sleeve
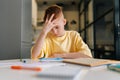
point(43, 51)
point(40, 55)
point(81, 46)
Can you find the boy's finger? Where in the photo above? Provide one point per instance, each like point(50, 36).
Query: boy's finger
point(46, 19)
point(51, 17)
point(55, 21)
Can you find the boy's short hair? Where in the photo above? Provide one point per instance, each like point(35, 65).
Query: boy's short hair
point(54, 9)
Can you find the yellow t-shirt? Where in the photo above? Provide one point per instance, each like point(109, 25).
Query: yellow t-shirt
point(70, 42)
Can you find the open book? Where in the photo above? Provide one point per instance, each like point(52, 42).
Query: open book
point(90, 61)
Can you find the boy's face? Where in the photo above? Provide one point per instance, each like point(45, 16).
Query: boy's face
point(59, 29)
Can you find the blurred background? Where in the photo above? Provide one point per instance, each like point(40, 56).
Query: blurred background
point(97, 21)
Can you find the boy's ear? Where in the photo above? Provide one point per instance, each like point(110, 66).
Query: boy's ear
point(64, 21)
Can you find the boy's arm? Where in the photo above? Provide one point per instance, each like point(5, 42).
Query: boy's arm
point(38, 45)
point(49, 24)
point(72, 55)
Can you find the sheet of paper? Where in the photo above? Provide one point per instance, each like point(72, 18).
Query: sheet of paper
point(43, 65)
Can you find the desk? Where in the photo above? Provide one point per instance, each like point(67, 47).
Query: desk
point(91, 73)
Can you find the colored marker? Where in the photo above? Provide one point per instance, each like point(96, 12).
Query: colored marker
point(26, 68)
point(51, 59)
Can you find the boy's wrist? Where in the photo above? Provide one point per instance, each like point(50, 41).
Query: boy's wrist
point(44, 32)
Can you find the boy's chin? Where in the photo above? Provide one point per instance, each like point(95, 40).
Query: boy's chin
point(58, 35)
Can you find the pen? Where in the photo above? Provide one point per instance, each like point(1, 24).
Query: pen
point(26, 68)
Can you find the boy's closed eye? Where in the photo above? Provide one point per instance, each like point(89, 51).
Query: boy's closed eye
point(56, 27)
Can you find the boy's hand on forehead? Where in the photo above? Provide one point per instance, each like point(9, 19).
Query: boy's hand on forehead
point(49, 24)
point(49, 20)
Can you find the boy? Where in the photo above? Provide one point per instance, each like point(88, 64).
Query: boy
point(54, 41)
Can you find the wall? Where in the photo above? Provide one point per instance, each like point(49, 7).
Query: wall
point(15, 28)
point(34, 13)
point(10, 29)
point(26, 28)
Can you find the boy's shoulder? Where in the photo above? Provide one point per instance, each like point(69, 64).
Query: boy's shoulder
point(72, 34)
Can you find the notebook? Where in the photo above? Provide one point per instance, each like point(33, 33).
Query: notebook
point(59, 73)
point(114, 67)
point(90, 61)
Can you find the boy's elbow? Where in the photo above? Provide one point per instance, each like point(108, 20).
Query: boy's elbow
point(88, 53)
point(33, 57)
point(32, 54)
